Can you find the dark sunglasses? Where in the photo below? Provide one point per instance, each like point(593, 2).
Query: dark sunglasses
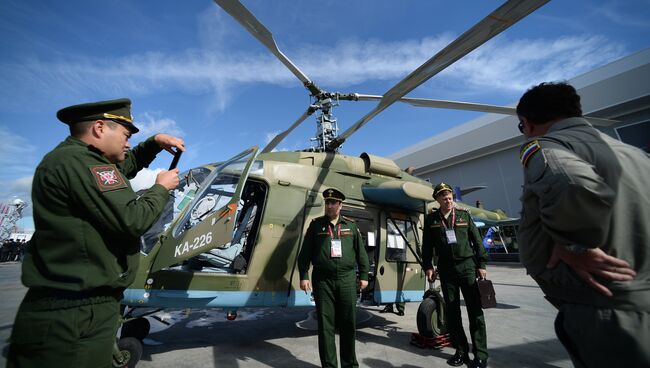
point(521, 126)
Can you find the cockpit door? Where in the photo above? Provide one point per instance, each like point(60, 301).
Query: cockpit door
point(398, 274)
point(208, 221)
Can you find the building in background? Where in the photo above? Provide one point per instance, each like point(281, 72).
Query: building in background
point(485, 151)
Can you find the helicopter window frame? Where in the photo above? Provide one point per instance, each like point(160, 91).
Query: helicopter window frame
point(404, 253)
point(235, 166)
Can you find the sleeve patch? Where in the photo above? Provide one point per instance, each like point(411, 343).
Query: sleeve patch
point(107, 177)
point(528, 151)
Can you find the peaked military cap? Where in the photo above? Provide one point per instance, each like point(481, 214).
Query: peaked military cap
point(332, 193)
point(442, 187)
point(118, 111)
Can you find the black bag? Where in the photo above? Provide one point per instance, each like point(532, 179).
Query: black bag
point(486, 291)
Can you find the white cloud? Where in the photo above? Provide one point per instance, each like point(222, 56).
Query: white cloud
point(16, 153)
point(515, 65)
point(150, 124)
point(505, 63)
point(622, 13)
point(268, 137)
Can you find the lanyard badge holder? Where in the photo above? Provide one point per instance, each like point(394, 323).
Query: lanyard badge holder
point(450, 234)
point(336, 251)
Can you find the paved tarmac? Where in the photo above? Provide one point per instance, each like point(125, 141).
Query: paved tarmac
point(520, 332)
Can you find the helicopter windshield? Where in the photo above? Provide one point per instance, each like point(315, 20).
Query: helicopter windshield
point(215, 191)
point(182, 195)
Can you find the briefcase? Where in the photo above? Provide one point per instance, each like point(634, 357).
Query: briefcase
point(486, 290)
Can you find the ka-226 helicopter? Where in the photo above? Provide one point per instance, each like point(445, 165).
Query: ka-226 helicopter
point(230, 236)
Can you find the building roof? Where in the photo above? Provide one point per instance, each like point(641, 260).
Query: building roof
point(622, 83)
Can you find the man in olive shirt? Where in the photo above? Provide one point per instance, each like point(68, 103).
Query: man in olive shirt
point(85, 250)
point(452, 240)
point(586, 201)
point(333, 245)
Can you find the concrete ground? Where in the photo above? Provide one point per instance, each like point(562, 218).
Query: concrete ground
point(520, 332)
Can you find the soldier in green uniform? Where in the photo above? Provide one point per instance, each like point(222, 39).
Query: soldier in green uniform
point(85, 249)
point(452, 240)
point(584, 231)
point(333, 245)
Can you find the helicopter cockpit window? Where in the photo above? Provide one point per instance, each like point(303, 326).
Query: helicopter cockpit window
point(214, 192)
point(182, 195)
point(397, 249)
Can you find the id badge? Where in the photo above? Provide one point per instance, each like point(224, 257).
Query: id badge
point(336, 251)
point(451, 236)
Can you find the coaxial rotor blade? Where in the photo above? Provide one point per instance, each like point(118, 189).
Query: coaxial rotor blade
point(278, 138)
point(444, 104)
point(259, 31)
point(499, 20)
point(470, 106)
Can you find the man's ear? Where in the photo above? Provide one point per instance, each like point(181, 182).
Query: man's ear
point(98, 128)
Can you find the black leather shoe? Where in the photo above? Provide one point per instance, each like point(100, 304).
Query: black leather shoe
point(399, 313)
point(458, 359)
point(387, 309)
point(478, 363)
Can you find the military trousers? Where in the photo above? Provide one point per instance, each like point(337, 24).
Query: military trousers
point(596, 337)
point(336, 300)
point(53, 333)
point(456, 278)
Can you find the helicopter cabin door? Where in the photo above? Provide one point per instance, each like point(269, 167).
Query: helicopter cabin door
point(208, 221)
point(398, 276)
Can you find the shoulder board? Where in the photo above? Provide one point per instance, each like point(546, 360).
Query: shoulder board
point(528, 150)
point(347, 219)
point(107, 177)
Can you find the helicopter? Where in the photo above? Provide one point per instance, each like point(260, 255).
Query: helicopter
point(230, 235)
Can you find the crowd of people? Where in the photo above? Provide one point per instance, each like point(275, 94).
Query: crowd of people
point(13, 250)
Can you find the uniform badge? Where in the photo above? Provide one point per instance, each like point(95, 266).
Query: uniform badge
point(107, 177)
point(528, 151)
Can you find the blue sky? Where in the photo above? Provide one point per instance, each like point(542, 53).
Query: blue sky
point(191, 70)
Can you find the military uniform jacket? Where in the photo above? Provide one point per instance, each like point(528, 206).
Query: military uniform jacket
point(317, 245)
point(88, 219)
point(582, 187)
point(468, 240)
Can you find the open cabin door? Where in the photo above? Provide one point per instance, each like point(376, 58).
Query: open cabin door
point(208, 221)
point(398, 271)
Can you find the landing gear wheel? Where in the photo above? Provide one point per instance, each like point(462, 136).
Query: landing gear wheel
point(430, 318)
point(138, 328)
point(131, 350)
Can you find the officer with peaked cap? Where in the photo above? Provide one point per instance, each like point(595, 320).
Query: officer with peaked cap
point(453, 242)
point(333, 245)
point(85, 250)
